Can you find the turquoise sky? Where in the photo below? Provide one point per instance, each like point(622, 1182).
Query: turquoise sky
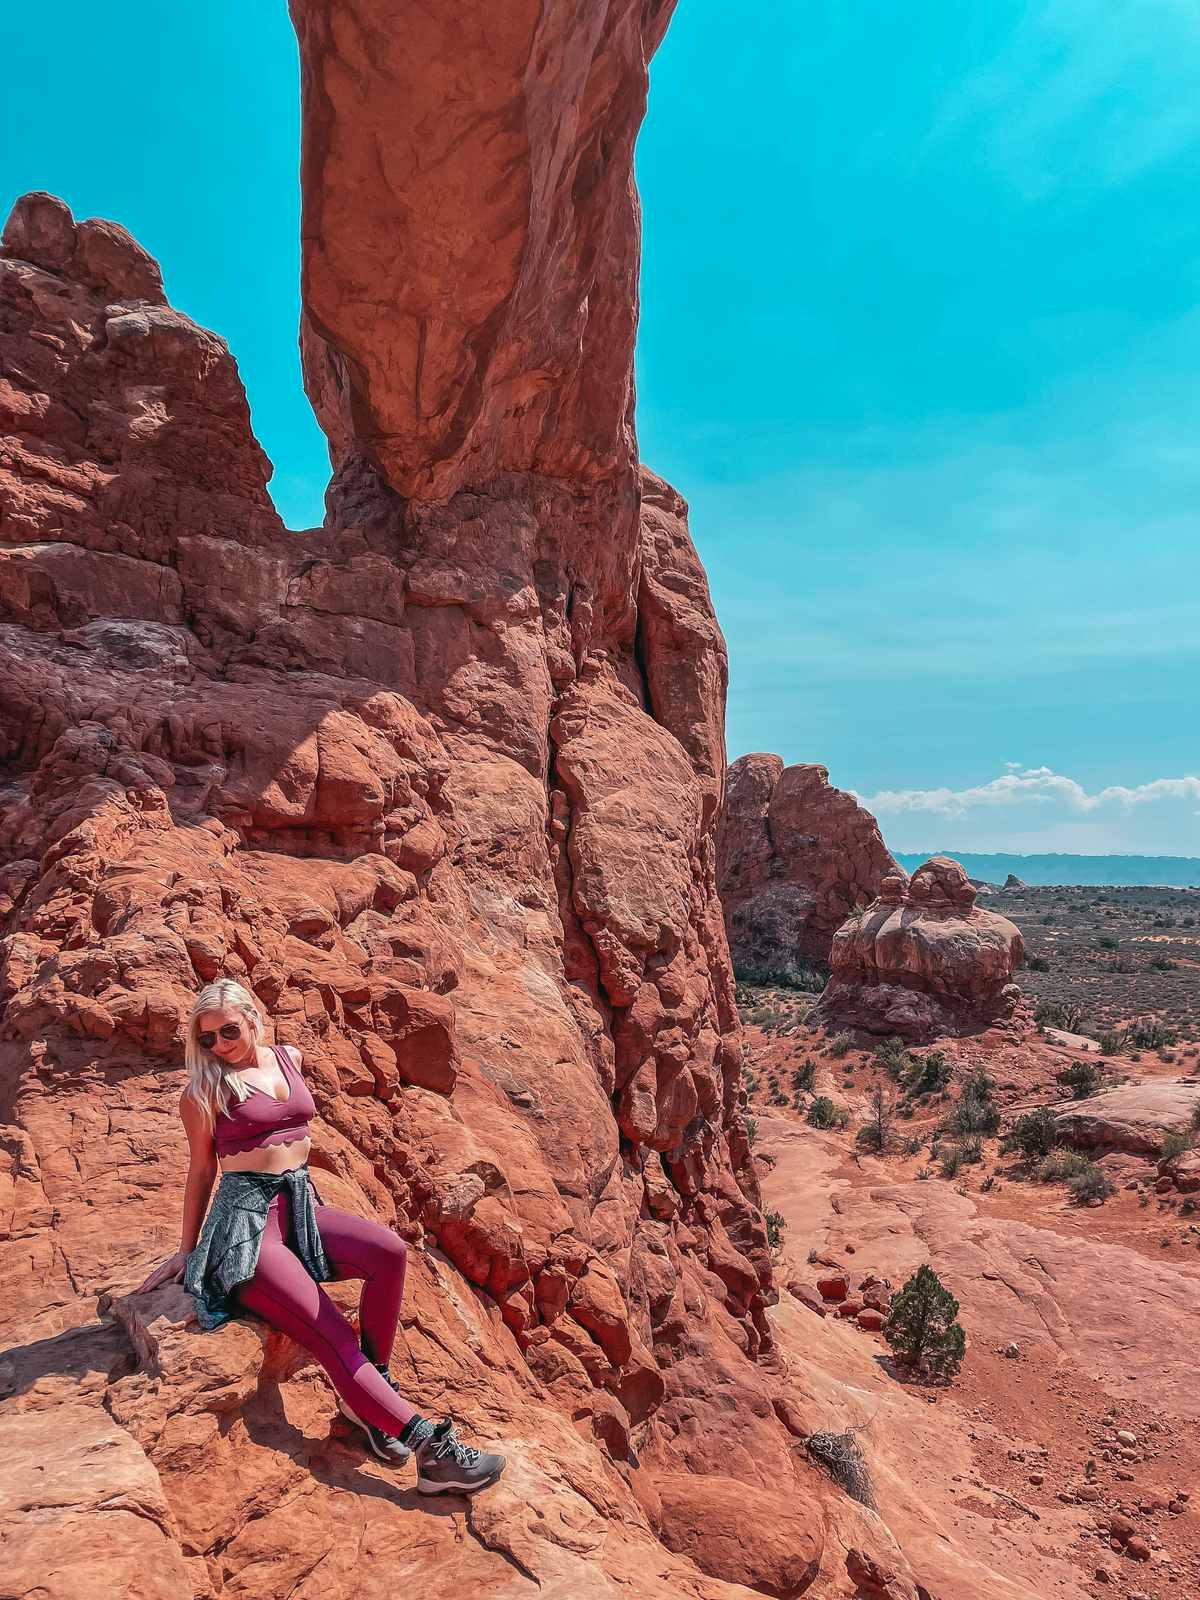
point(920, 344)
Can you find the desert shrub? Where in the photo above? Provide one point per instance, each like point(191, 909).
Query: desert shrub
point(1037, 964)
point(928, 1074)
point(1147, 1033)
point(1090, 1184)
point(1062, 1165)
point(1107, 942)
point(1162, 964)
point(966, 1152)
point(894, 1058)
point(776, 1224)
point(822, 1113)
point(976, 1111)
point(877, 1125)
point(841, 1456)
point(1066, 1014)
point(1034, 1134)
point(1175, 1142)
point(751, 1126)
point(1110, 1042)
point(804, 976)
point(840, 1044)
point(922, 1326)
point(804, 1077)
point(1081, 1077)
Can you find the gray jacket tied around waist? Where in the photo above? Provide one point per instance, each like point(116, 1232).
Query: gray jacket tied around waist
point(227, 1252)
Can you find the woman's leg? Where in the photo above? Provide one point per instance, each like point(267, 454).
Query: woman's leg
point(283, 1294)
point(360, 1249)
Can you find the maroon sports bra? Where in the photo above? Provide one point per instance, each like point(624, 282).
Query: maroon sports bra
point(261, 1120)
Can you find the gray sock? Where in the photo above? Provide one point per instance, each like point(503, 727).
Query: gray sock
point(416, 1432)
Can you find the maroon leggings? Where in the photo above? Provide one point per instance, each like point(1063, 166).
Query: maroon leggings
point(283, 1294)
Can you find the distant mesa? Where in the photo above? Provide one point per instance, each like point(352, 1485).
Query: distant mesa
point(923, 960)
point(1013, 882)
point(795, 856)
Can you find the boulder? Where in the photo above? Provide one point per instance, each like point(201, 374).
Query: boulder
point(762, 1538)
point(1183, 1171)
point(1134, 1117)
point(923, 960)
point(835, 1286)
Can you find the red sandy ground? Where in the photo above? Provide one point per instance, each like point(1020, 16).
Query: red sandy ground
point(1104, 1316)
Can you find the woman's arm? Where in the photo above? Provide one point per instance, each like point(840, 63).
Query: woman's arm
point(202, 1169)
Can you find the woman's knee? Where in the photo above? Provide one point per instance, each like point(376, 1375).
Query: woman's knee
point(385, 1248)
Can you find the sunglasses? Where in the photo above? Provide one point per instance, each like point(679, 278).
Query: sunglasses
point(231, 1030)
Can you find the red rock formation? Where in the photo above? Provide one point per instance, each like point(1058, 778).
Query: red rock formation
point(923, 960)
point(439, 781)
point(794, 858)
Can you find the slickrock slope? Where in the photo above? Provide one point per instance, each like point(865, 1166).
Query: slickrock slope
point(794, 858)
point(440, 782)
point(1134, 1117)
point(923, 959)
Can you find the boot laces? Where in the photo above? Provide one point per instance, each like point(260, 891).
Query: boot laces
point(463, 1455)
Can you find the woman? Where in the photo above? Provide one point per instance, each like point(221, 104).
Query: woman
point(269, 1243)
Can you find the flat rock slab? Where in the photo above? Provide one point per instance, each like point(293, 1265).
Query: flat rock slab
point(1134, 1117)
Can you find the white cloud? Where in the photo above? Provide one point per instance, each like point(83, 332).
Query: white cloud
point(1036, 808)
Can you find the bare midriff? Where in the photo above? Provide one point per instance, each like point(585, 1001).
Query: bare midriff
point(273, 1158)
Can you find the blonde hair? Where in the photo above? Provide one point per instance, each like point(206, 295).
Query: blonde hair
point(209, 1081)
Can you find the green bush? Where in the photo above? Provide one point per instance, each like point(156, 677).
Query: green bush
point(751, 1125)
point(1081, 1077)
point(1033, 1134)
point(776, 1224)
point(1090, 1184)
point(1037, 964)
point(894, 1058)
point(928, 1074)
point(1146, 1033)
point(923, 1328)
point(822, 1113)
point(1110, 1042)
point(1107, 942)
point(976, 1112)
point(1067, 1015)
point(1061, 1166)
point(966, 1152)
point(840, 1044)
point(1175, 1143)
point(803, 1077)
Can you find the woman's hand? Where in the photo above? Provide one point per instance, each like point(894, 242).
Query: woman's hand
point(170, 1272)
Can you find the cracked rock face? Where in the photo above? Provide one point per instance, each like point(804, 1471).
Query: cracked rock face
point(795, 856)
point(440, 782)
point(923, 960)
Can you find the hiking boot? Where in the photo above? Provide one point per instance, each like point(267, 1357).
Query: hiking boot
point(447, 1466)
point(386, 1446)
